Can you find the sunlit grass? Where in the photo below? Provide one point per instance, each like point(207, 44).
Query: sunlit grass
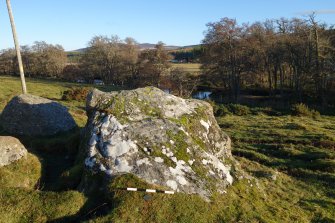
point(51, 89)
point(188, 67)
point(289, 163)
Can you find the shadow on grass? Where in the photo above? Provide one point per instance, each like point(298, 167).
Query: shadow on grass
point(61, 171)
point(56, 154)
point(319, 217)
point(93, 208)
point(321, 203)
point(101, 203)
point(308, 165)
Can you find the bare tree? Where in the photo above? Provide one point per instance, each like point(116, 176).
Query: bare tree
point(183, 83)
point(153, 65)
point(17, 47)
point(296, 55)
point(225, 53)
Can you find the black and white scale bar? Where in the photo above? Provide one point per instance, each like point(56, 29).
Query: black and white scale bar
point(150, 190)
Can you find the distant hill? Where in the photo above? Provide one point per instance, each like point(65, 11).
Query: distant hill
point(82, 50)
point(143, 46)
point(190, 46)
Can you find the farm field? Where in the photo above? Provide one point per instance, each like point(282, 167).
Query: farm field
point(188, 67)
point(290, 161)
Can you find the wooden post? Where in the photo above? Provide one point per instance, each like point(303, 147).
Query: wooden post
point(17, 47)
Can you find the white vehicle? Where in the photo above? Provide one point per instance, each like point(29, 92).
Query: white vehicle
point(82, 81)
point(98, 82)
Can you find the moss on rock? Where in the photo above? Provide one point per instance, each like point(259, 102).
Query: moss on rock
point(159, 138)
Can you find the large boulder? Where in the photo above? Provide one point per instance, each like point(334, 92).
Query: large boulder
point(31, 115)
point(162, 139)
point(11, 150)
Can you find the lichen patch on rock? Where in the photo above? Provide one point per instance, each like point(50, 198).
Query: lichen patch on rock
point(162, 139)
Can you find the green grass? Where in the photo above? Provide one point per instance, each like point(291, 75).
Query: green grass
point(289, 161)
point(51, 89)
point(302, 148)
point(286, 147)
point(24, 198)
point(22, 205)
point(24, 173)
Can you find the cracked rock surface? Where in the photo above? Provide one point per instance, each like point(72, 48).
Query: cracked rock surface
point(162, 139)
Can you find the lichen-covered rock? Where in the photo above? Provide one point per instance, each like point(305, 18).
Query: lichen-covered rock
point(31, 115)
point(160, 138)
point(11, 150)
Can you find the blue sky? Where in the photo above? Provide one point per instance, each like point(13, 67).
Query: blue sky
point(72, 23)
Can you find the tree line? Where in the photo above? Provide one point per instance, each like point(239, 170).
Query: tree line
point(111, 59)
point(121, 62)
point(39, 60)
point(284, 55)
point(190, 54)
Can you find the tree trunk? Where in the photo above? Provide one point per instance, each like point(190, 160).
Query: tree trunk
point(269, 79)
point(275, 77)
point(281, 81)
point(17, 47)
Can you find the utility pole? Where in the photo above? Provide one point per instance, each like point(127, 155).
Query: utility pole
point(17, 47)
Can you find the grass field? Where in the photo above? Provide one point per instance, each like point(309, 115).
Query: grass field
point(50, 89)
point(290, 161)
point(188, 67)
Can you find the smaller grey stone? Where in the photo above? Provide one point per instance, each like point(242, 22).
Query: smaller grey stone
point(147, 197)
point(274, 176)
point(11, 150)
point(31, 115)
